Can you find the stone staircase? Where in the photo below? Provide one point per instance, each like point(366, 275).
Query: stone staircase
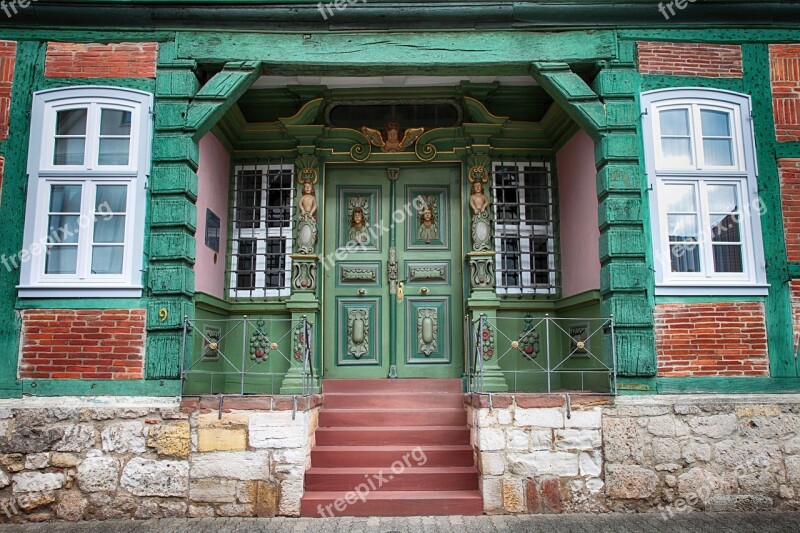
point(392, 448)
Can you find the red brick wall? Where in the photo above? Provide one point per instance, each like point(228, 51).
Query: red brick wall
point(789, 170)
point(711, 339)
point(690, 59)
point(121, 60)
point(82, 344)
point(784, 67)
point(8, 57)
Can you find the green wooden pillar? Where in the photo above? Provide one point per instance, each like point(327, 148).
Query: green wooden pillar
point(172, 216)
point(304, 302)
point(626, 282)
point(483, 301)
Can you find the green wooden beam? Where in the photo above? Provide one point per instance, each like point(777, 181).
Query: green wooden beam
point(217, 96)
point(418, 53)
point(78, 387)
point(579, 101)
point(732, 385)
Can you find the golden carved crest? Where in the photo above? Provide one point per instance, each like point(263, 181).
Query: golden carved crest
point(392, 143)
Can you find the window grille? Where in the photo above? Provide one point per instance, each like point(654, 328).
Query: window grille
point(261, 218)
point(525, 207)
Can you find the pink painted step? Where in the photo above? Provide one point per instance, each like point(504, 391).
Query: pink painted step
point(385, 456)
point(391, 417)
point(416, 478)
point(390, 385)
point(366, 426)
point(393, 400)
point(394, 503)
point(410, 435)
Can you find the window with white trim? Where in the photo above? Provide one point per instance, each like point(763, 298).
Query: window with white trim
point(704, 204)
point(88, 162)
point(524, 216)
point(261, 247)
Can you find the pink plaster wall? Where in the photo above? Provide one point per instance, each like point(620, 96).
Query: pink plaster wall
point(580, 236)
point(212, 193)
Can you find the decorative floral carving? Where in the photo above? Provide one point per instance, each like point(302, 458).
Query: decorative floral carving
point(358, 332)
point(300, 340)
point(427, 330)
point(482, 272)
point(426, 273)
point(392, 143)
point(260, 344)
point(428, 229)
point(528, 339)
point(487, 340)
point(479, 165)
point(304, 275)
point(358, 274)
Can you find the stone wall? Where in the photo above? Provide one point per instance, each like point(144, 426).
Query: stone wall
point(98, 458)
point(666, 454)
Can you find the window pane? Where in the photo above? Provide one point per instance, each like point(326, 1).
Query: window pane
point(728, 258)
point(684, 258)
point(114, 152)
point(107, 259)
point(275, 263)
point(725, 228)
point(723, 198)
point(677, 150)
point(115, 122)
point(63, 228)
point(682, 228)
point(69, 151)
point(719, 152)
point(109, 229)
point(715, 123)
point(111, 198)
point(675, 122)
point(248, 199)
point(245, 265)
point(279, 198)
point(61, 260)
point(71, 122)
point(65, 198)
point(680, 198)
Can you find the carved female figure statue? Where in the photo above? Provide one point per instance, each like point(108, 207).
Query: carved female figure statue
point(477, 200)
point(307, 223)
point(358, 229)
point(308, 202)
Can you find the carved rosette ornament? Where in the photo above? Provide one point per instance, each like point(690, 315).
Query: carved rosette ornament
point(357, 332)
point(427, 330)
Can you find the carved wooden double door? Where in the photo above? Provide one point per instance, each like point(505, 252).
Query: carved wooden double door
point(393, 285)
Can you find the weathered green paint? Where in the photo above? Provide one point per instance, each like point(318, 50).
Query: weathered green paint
point(709, 385)
point(578, 99)
point(72, 387)
point(417, 52)
point(28, 71)
point(78, 303)
point(651, 82)
point(221, 93)
point(778, 309)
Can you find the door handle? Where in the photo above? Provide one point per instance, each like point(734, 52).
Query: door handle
point(400, 294)
point(423, 290)
point(362, 292)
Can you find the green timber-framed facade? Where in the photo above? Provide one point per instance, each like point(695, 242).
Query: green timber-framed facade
point(618, 127)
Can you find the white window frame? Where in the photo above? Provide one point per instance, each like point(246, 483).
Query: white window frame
point(260, 235)
point(524, 233)
point(43, 173)
point(743, 172)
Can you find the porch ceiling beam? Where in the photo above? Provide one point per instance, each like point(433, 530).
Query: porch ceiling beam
point(569, 90)
point(365, 54)
point(217, 96)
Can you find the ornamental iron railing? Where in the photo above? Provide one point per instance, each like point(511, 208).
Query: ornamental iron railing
point(247, 356)
point(541, 354)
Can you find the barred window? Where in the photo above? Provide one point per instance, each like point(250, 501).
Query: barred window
point(262, 209)
point(524, 200)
